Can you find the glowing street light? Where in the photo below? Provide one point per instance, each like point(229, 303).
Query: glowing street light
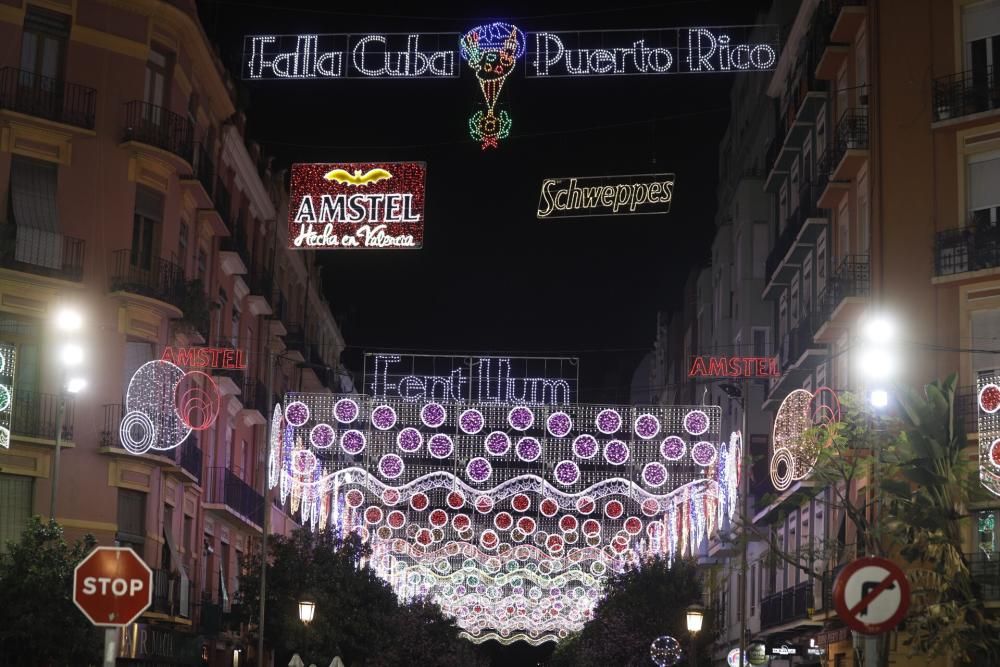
point(68, 319)
point(76, 385)
point(878, 356)
point(695, 617)
point(307, 608)
point(71, 354)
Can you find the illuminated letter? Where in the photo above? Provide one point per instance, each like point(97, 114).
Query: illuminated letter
point(546, 197)
point(696, 57)
point(412, 382)
point(659, 60)
point(359, 50)
point(601, 61)
point(764, 61)
point(717, 366)
point(257, 55)
point(168, 354)
point(336, 60)
point(697, 368)
point(306, 212)
point(542, 64)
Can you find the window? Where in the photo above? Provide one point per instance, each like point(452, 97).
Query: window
point(182, 247)
point(188, 537)
point(157, 85)
point(821, 132)
point(738, 257)
point(234, 330)
point(131, 519)
point(783, 205)
point(15, 507)
point(782, 317)
point(222, 307)
point(145, 227)
point(981, 34)
point(136, 354)
point(739, 587)
point(202, 263)
point(821, 262)
point(33, 210)
point(760, 341)
point(166, 557)
point(821, 375)
point(843, 230)
point(984, 190)
point(794, 187)
point(985, 335)
point(794, 301)
point(43, 48)
point(863, 214)
point(807, 286)
point(224, 574)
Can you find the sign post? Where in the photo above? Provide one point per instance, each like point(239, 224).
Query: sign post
point(112, 586)
point(871, 595)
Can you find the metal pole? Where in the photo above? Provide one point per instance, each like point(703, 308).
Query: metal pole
point(110, 646)
point(744, 501)
point(60, 416)
point(271, 361)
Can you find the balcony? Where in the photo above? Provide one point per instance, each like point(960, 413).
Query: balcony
point(846, 155)
point(190, 456)
point(798, 355)
point(848, 15)
point(202, 176)
point(965, 93)
point(966, 249)
point(234, 251)
point(985, 570)
point(156, 126)
point(295, 342)
point(967, 409)
point(41, 253)
point(792, 604)
point(34, 415)
point(40, 96)
point(159, 279)
point(253, 397)
point(798, 238)
point(797, 123)
point(168, 598)
point(225, 491)
point(843, 298)
point(229, 380)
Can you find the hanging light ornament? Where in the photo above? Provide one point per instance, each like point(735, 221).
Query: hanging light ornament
point(491, 50)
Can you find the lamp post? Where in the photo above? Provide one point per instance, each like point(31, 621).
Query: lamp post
point(68, 323)
point(307, 608)
point(740, 395)
point(695, 617)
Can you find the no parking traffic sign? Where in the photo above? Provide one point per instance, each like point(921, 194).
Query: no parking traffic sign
point(871, 595)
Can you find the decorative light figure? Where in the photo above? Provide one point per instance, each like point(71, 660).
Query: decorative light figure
point(491, 51)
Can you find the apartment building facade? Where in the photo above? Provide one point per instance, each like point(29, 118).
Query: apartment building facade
point(135, 197)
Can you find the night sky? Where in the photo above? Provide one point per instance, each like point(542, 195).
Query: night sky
point(491, 277)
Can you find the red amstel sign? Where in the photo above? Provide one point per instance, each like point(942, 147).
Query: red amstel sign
point(734, 367)
point(205, 357)
point(357, 205)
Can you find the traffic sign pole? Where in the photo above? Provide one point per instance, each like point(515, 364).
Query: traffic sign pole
point(110, 646)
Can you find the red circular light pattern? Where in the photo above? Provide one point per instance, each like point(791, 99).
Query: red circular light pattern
point(461, 521)
point(989, 398)
point(567, 523)
point(354, 498)
point(438, 518)
point(585, 505)
point(456, 500)
point(526, 525)
point(521, 502)
point(424, 537)
point(489, 539)
point(484, 504)
point(419, 502)
point(554, 543)
point(613, 509)
point(548, 507)
point(591, 527)
point(995, 453)
point(650, 507)
point(390, 496)
point(396, 519)
point(373, 515)
point(198, 404)
point(633, 525)
point(503, 521)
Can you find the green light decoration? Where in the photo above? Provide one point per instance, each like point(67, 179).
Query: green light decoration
point(492, 51)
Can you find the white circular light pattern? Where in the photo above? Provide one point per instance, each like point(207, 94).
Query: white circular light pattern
point(152, 392)
point(137, 432)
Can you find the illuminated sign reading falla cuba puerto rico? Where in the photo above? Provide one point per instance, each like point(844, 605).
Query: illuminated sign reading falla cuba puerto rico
point(357, 205)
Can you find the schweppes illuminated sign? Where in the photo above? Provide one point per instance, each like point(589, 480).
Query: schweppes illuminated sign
point(205, 357)
point(734, 367)
point(586, 196)
point(357, 205)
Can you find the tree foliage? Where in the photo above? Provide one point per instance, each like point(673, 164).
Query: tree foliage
point(39, 624)
point(357, 614)
point(638, 606)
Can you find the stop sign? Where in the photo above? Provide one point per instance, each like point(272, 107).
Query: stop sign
point(112, 586)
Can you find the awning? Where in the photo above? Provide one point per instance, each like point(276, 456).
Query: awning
point(33, 200)
point(184, 597)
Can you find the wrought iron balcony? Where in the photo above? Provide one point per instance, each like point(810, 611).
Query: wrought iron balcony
point(41, 253)
point(152, 277)
point(851, 278)
point(851, 133)
point(203, 168)
point(190, 456)
point(965, 93)
point(969, 248)
point(52, 99)
point(35, 414)
point(967, 408)
point(168, 598)
point(223, 487)
point(790, 235)
point(791, 604)
point(160, 127)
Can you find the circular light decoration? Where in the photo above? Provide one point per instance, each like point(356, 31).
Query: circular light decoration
point(438, 518)
point(303, 461)
point(989, 398)
point(152, 391)
point(471, 421)
point(461, 522)
point(585, 446)
point(633, 525)
point(520, 418)
point(548, 507)
point(782, 464)
point(585, 505)
point(567, 473)
point(354, 498)
point(799, 412)
point(424, 537)
point(567, 522)
point(521, 502)
point(352, 441)
point(322, 436)
point(526, 525)
point(433, 415)
point(4, 396)
point(703, 453)
point(297, 413)
point(455, 500)
point(696, 422)
point(383, 417)
point(345, 411)
point(995, 453)
point(673, 448)
point(390, 466)
point(137, 432)
point(488, 539)
point(616, 452)
point(390, 496)
point(591, 527)
point(497, 443)
point(608, 421)
point(613, 509)
point(479, 470)
point(409, 440)
point(559, 424)
point(198, 400)
point(654, 474)
point(419, 501)
point(665, 651)
point(650, 507)
point(528, 449)
point(440, 446)
point(373, 515)
point(503, 520)
point(647, 426)
point(396, 519)
point(484, 504)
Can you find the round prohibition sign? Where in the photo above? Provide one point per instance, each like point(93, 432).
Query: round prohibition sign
point(871, 595)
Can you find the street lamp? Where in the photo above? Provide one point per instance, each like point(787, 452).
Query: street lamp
point(695, 617)
point(68, 322)
point(307, 608)
point(878, 357)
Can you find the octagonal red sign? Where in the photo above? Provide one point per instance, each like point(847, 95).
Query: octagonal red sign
point(112, 586)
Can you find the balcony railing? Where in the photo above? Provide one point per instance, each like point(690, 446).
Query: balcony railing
point(190, 456)
point(34, 415)
point(160, 127)
point(203, 168)
point(851, 133)
point(791, 604)
point(795, 343)
point(168, 598)
point(40, 252)
point(44, 97)
point(110, 434)
point(851, 278)
point(223, 487)
point(156, 278)
point(965, 93)
point(967, 408)
point(806, 209)
point(963, 249)
point(985, 570)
